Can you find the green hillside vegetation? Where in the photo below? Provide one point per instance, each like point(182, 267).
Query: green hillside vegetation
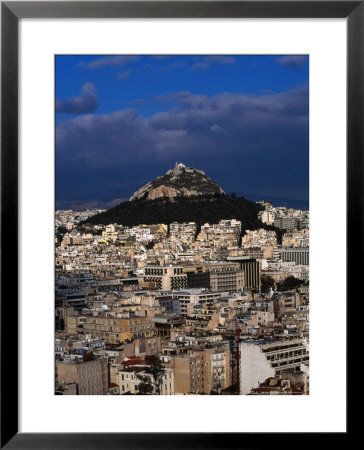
point(199, 209)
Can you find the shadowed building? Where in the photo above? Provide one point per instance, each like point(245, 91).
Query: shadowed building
point(251, 269)
point(88, 373)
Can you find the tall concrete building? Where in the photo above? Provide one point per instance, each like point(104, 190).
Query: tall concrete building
point(227, 281)
point(286, 223)
point(202, 371)
point(250, 267)
point(88, 373)
point(300, 255)
point(260, 360)
point(219, 276)
point(166, 277)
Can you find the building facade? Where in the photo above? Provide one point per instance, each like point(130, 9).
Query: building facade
point(260, 360)
point(117, 329)
point(251, 268)
point(166, 277)
point(89, 376)
point(300, 255)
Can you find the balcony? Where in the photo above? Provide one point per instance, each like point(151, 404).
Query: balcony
point(290, 362)
point(284, 344)
point(285, 350)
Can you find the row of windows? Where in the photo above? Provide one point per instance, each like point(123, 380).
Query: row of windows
point(286, 355)
point(286, 363)
point(91, 390)
point(115, 322)
point(89, 375)
point(153, 272)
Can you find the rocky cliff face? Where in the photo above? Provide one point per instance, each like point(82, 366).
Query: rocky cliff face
point(180, 181)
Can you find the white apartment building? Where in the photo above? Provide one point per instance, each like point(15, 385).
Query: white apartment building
point(201, 297)
point(260, 360)
point(129, 381)
point(267, 216)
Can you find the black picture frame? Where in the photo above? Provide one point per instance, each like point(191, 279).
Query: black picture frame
point(11, 12)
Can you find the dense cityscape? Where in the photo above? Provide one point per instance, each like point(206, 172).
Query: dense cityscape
point(182, 308)
point(182, 224)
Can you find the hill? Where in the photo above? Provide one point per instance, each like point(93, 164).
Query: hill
point(181, 180)
point(198, 208)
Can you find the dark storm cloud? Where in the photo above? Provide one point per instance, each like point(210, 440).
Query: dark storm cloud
point(85, 103)
point(292, 61)
point(241, 140)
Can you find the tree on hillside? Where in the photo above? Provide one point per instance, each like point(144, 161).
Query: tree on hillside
point(145, 387)
point(60, 232)
point(150, 385)
point(267, 282)
point(279, 234)
point(289, 284)
point(199, 209)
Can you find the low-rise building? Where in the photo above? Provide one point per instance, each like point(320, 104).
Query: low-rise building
point(131, 377)
point(116, 329)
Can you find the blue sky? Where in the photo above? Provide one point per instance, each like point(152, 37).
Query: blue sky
point(122, 120)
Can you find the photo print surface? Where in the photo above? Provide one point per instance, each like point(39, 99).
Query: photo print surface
point(182, 225)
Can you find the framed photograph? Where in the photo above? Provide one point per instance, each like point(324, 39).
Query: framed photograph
point(174, 177)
